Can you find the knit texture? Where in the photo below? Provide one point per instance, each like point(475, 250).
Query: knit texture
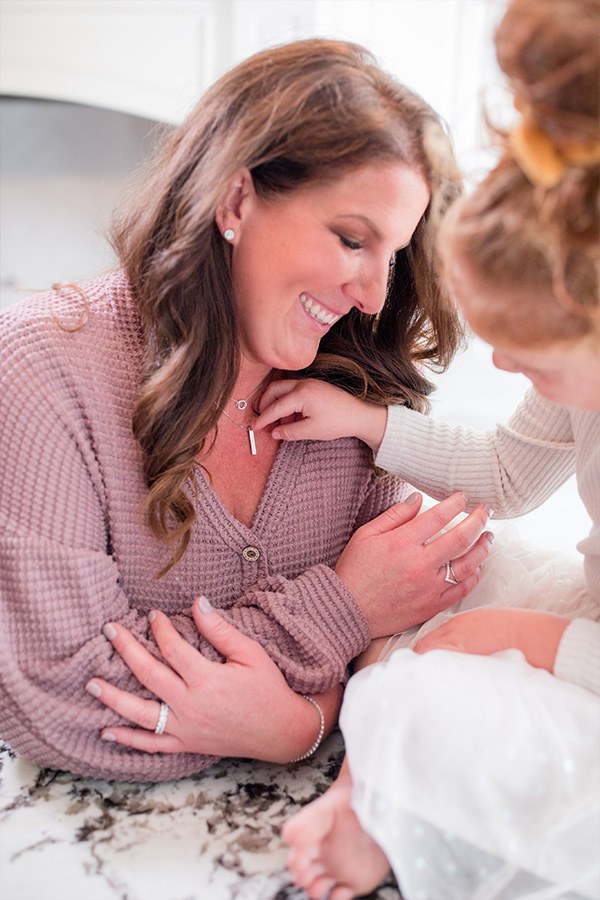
point(513, 468)
point(74, 553)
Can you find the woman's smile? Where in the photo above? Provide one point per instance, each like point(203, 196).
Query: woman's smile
point(318, 314)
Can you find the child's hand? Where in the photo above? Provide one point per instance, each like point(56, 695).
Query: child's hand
point(308, 409)
point(485, 631)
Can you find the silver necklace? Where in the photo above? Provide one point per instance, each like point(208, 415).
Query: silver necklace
point(243, 405)
point(247, 428)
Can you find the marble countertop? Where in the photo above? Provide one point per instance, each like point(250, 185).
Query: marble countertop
point(214, 836)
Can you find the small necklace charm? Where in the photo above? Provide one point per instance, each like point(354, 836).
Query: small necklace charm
point(243, 403)
point(252, 442)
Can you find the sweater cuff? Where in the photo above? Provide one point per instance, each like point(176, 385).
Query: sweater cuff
point(400, 442)
point(341, 620)
point(578, 656)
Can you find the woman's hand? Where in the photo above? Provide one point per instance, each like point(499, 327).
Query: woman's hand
point(308, 409)
point(395, 565)
point(485, 631)
point(242, 707)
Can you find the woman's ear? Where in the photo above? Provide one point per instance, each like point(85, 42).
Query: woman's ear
point(232, 208)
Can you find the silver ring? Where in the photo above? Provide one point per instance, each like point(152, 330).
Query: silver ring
point(163, 715)
point(450, 576)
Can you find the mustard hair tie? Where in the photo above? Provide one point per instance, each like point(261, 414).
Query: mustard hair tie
point(541, 160)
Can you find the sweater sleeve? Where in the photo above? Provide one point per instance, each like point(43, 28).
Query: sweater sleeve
point(578, 656)
point(514, 468)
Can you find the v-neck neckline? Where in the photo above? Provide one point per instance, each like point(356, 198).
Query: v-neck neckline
point(275, 496)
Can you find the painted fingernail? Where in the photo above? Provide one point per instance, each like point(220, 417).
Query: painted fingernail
point(204, 605)
point(109, 631)
point(490, 536)
point(93, 689)
point(108, 736)
point(152, 615)
point(412, 498)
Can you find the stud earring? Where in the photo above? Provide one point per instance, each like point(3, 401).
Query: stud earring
point(229, 234)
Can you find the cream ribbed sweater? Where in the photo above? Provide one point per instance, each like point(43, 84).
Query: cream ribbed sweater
point(74, 554)
point(513, 468)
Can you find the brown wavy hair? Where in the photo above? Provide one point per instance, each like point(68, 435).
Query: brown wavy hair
point(308, 111)
point(539, 247)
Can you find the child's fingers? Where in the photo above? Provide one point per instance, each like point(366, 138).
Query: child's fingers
point(295, 430)
point(275, 391)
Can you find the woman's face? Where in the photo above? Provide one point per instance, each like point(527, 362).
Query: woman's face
point(305, 259)
point(565, 372)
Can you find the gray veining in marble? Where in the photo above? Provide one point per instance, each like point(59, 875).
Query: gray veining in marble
point(214, 836)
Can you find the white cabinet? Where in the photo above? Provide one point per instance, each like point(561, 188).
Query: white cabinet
point(152, 58)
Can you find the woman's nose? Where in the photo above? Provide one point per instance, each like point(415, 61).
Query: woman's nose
point(368, 289)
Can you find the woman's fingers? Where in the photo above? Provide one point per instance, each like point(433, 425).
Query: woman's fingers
point(142, 740)
point(458, 540)
point(233, 644)
point(456, 592)
point(181, 656)
point(129, 706)
point(395, 516)
point(438, 517)
point(470, 562)
point(142, 712)
point(424, 527)
point(154, 675)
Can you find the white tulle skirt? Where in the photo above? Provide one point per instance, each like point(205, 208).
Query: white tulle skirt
point(480, 776)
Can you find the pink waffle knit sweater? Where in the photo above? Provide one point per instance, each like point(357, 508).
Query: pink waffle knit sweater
point(74, 554)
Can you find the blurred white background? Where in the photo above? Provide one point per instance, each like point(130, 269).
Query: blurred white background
point(85, 85)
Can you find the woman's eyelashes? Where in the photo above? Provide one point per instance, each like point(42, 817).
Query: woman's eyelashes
point(350, 242)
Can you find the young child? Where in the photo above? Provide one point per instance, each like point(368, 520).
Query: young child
point(476, 773)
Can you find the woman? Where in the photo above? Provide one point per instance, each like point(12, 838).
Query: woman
point(474, 770)
point(287, 226)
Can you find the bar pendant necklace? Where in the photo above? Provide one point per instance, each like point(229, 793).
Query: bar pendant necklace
point(252, 441)
point(246, 428)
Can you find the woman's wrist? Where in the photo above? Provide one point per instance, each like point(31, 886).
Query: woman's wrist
point(320, 734)
point(301, 726)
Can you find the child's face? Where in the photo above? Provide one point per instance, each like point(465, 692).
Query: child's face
point(566, 371)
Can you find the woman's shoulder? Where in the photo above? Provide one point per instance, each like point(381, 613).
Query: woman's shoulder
point(68, 307)
point(346, 465)
point(72, 322)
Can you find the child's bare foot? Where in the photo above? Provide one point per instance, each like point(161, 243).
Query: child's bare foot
point(330, 851)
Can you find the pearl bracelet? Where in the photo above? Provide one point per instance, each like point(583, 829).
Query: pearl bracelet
point(317, 743)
